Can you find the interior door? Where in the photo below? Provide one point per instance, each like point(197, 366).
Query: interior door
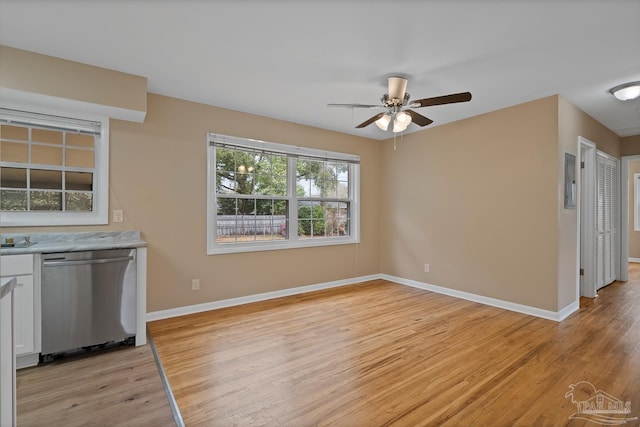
point(606, 220)
point(600, 233)
point(582, 225)
point(610, 224)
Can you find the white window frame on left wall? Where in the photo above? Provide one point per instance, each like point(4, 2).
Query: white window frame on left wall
point(100, 213)
point(636, 202)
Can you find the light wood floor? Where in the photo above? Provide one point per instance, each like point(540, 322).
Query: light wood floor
point(379, 353)
point(118, 387)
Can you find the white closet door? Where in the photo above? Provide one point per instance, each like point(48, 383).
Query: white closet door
point(606, 221)
point(612, 215)
point(600, 209)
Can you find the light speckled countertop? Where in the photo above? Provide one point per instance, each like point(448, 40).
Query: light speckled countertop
point(69, 242)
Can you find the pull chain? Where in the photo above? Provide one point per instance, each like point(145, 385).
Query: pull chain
point(395, 141)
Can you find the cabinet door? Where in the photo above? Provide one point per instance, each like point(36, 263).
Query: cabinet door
point(24, 315)
point(7, 364)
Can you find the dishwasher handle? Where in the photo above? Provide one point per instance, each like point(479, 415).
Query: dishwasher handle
point(60, 263)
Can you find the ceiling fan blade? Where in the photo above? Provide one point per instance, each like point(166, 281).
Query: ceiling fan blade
point(369, 121)
point(439, 100)
point(397, 88)
point(356, 105)
point(418, 119)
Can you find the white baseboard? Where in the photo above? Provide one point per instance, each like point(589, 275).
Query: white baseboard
point(567, 311)
point(634, 259)
point(214, 305)
point(506, 305)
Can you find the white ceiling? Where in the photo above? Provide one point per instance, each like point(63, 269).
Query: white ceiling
point(287, 59)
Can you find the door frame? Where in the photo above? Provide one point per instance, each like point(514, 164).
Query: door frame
point(586, 284)
point(624, 216)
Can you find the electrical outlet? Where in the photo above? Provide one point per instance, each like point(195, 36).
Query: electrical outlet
point(427, 268)
point(118, 215)
point(195, 285)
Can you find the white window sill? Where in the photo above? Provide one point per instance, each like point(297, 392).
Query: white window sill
point(47, 218)
point(232, 248)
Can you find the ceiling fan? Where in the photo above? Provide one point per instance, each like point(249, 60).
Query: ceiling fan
point(398, 108)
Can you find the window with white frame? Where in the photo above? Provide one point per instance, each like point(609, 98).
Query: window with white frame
point(636, 202)
point(264, 196)
point(53, 170)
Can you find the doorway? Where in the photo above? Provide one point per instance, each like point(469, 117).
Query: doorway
point(626, 209)
point(586, 216)
point(607, 219)
point(601, 225)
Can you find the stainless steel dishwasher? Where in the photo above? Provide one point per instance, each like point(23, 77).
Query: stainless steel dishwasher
point(88, 298)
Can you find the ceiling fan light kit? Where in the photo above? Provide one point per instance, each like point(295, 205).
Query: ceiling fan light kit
point(383, 122)
point(400, 121)
point(398, 109)
point(627, 91)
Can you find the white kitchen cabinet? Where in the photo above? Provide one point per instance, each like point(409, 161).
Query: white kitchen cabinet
point(23, 299)
point(26, 307)
point(7, 356)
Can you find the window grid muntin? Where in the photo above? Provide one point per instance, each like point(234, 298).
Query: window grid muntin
point(329, 224)
point(337, 178)
point(246, 171)
point(293, 200)
point(292, 153)
point(63, 168)
point(248, 168)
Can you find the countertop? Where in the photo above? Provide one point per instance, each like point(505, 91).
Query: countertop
point(7, 284)
point(77, 241)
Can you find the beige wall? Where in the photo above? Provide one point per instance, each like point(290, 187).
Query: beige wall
point(47, 75)
point(158, 177)
point(480, 200)
point(572, 123)
point(567, 218)
point(630, 145)
point(477, 200)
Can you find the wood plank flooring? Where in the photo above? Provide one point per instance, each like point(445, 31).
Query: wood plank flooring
point(379, 353)
point(117, 387)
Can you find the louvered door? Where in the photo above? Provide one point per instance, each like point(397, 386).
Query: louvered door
point(600, 208)
point(611, 222)
point(606, 220)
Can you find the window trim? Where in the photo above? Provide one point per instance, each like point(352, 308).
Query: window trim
point(214, 248)
point(100, 213)
point(636, 202)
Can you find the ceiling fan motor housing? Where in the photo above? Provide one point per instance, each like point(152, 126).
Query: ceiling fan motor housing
point(397, 89)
